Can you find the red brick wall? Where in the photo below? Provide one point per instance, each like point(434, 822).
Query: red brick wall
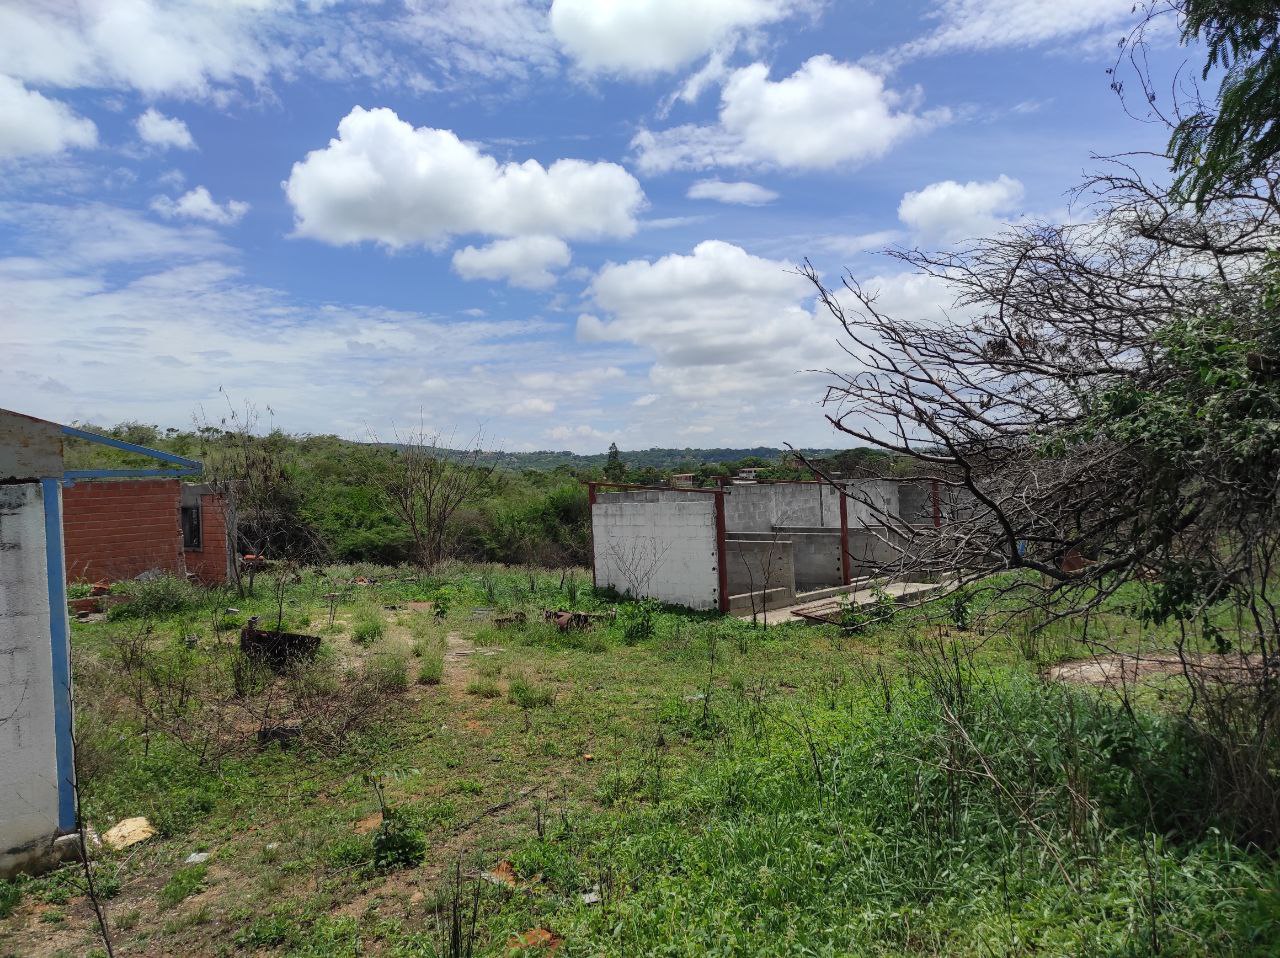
point(116, 530)
point(209, 562)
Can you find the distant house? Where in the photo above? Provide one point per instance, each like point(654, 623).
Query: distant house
point(749, 475)
point(120, 529)
point(682, 480)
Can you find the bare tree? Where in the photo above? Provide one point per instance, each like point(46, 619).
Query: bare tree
point(637, 560)
point(425, 484)
point(1101, 408)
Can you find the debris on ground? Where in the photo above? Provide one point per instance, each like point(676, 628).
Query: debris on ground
point(128, 832)
point(591, 897)
point(535, 938)
point(503, 873)
point(196, 858)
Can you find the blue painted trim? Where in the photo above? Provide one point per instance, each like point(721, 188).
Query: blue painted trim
point(60, 643)
point(74, 474)
point(132, 447)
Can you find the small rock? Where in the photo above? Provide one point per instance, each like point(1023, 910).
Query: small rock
point(128, 832)
point(233, 611)
point(591, 897)
point(196, 858)
point(271, 846)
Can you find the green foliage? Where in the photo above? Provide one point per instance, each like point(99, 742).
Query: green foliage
point(399, 841)
point(367, 625)
point(155, 597)
point(841, 828)
point(431, 667)
point(1239, 139)
point(389, 671)
point(484, 688)
point(182, 884)
point(528, 694)
point(637, 621)
point(10, 896)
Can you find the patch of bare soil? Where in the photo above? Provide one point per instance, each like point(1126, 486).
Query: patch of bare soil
point(1121, 670)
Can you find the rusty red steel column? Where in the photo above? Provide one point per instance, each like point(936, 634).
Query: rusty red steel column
point(846, 567)
point(722, 566)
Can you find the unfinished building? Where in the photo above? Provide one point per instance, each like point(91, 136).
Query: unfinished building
point(747, 545)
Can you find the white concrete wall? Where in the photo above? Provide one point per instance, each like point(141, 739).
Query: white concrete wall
point(667, 539)
point(28, 770)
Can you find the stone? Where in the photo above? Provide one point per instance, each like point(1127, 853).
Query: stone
point(128, 832)
point(196, 858)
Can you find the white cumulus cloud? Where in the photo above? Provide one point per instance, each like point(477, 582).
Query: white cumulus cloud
point(745, 194)
point(525, 261)
point(827, 114)
point(382, 180)
point(31, 123)
point(950, 211)
point(198, 204)
point(653, 36)
point(164, 131)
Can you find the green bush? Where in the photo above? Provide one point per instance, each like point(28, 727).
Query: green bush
point(398, 842)
point(154, 598)
point(389, 671)
point(10, 897)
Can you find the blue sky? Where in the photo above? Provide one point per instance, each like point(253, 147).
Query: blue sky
point(562, 224)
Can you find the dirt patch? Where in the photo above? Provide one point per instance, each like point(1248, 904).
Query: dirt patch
point(1128, 669)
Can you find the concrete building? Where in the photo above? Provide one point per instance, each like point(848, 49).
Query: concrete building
point(37, 785)
point(748, 545)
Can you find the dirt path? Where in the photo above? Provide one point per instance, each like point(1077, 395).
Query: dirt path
point(458, 651)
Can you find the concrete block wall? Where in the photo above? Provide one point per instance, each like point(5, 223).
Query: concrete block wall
point(671, 533)
point(29, 786)
point(117, 530)
point(880, 493)
point(874, 551)
point(915, 502)
point(758, 507)
point(758, 561)
point(818, 564)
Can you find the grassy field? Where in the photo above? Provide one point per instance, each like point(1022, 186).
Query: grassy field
point(453, 775)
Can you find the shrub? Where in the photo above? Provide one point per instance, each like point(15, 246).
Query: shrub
point(528, 694)
point(10, 897)
point(398, 842)
point(154, 598)
point(431, 668)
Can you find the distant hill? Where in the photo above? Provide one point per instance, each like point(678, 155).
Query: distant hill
point(661, 459)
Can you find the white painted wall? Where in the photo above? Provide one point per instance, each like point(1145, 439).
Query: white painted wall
point(671, 534)
point(28, 770)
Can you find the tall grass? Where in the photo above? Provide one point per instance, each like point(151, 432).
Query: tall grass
point(993, 815)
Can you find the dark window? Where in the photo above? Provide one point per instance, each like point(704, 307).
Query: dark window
point(191, 527)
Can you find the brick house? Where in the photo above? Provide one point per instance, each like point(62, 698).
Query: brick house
point(118, 529)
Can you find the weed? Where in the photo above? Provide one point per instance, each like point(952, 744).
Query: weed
point(431, 668)
point(398, 842)
point(10, 897)
point(182, 884)
point(367, 626)
point(154, 598)
point(388, 672)
point(485, 688)
point(528, 694)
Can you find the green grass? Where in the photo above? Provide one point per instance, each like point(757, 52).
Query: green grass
point(789, 791)
point(431, 667)
point(185, 882)
point(367, 626)
point(484, 688)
